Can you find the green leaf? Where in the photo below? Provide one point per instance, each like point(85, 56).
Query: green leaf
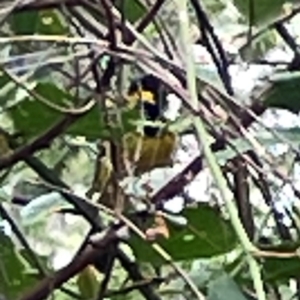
point(13, 267)
point(290, 136)
point(43, 22)
point(281, 269)
point(205, 235)
point(51, 22)
point(260, 11)
point(224, 288)
point(29, 190)
point(283, 92)
point(259, 46)
point(93, 125)
point(88, 283)
point(7, 89)
point(32, 117)
point(215, 6)
point(133, 9)
point(24, 23)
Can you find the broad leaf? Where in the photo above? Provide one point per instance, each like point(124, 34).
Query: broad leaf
point(28, 190)
point(33, 117)
point(215, 6)
point(24, 23)
point(259, 46)
point(283, 92)
point(7, 89)
point(275, 269)
point(224, 288)
point(133, 9)
point(259, 12)
point(43, 261)
point(205, 235)
point(41, 22)
point(51, 22)
point(88, 283)
point(14, 279)
point(210, 76)
point(281, 269)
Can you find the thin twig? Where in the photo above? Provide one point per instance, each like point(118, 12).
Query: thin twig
point(47, 285)
point(165, 256)
point(71, 111)
point(248, 247)
point(36, 262)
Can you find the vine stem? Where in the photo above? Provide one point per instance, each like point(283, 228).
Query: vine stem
point(203, 138)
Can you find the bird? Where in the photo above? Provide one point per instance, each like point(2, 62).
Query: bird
point(150, 95)
point(154, 145)
point(150, 148)
point(145, 150)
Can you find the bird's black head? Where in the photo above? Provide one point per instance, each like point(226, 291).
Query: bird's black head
point(149, 93)
point(153, 87)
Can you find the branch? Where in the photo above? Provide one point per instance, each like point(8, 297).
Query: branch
point(84, 208)
point(148, 18)
point(282, 19)
point(287, 37)
point(40, 142)
point(83, 19)
point(16, 230)
point(108, 271)
point(176, 185)
point(22, 239)
point(92, 216)
point(265, 188)
point(221, 63)
point(135, 275)
point(241, 192)
point(145, 21)
point(88, 255)
point(134, 286)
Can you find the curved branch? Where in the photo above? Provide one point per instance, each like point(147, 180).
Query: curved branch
point(40, 142)
point(50, 283)
point(176, 185)
point(148, 18)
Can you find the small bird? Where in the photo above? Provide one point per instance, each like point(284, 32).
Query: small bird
point(150, 148)
point(154, 146)
point(146, 150)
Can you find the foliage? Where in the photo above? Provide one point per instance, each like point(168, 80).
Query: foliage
point(64, 73)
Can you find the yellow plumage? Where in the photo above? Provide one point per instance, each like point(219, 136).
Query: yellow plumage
point(152, 148)
point(147, 153)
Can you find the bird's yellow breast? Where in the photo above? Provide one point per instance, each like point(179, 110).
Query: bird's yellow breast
point(147, 153)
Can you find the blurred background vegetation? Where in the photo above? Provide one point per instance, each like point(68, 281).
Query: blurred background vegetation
point(60, 60)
